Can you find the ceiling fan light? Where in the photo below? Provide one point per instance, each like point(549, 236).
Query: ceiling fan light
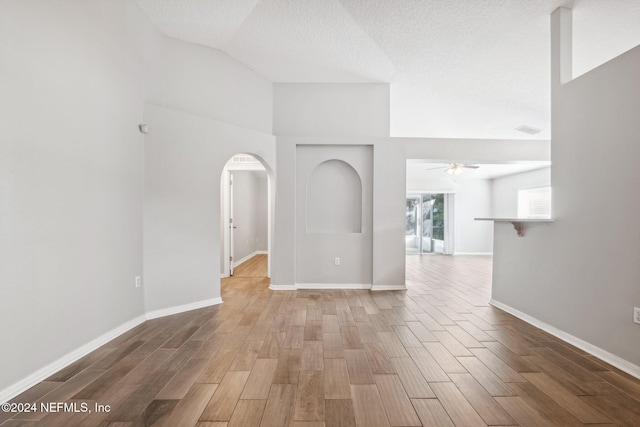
point(454, 169)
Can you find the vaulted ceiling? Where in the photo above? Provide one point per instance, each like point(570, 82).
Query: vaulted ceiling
point(457, 68)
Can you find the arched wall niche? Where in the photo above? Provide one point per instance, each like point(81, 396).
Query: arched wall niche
point(334, 199)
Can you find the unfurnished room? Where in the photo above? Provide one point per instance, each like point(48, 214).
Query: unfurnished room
point(307, 213)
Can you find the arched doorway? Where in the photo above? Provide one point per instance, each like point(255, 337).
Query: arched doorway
point(246, 213)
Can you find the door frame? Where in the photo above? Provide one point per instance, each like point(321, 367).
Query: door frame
point(226, 206)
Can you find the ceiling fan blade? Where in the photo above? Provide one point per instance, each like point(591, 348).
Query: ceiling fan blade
point(439, 167)
point(470, 166)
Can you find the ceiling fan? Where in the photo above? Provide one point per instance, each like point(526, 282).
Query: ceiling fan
point(456, 168)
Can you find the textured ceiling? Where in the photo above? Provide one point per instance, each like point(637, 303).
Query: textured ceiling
point(457, 68)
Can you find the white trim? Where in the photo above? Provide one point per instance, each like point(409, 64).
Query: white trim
point(333, 286)
point(248, 257)
point(224, 276)
point(610, 358)
point(389, 288)
point(245, 259)
point(473, 253)
point(53, 367)
point(66, 360)
point(274, 287)
point(224, 217)
point(282, 287)
point(182, 308)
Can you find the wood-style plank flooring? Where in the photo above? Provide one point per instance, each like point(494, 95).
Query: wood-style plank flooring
point(435, 355)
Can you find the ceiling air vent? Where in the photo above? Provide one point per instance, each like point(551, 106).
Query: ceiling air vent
point(528, 129)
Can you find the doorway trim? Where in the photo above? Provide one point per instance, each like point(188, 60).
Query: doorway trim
point(225, 207)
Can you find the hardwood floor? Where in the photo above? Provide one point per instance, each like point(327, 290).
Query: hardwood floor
point(435, 355)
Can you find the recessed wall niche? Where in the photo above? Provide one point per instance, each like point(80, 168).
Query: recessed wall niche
point(334, 199)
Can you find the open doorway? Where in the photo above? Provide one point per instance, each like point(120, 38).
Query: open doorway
point(245, 211)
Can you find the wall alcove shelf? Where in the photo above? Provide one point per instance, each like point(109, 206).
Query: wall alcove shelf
point(518, 223)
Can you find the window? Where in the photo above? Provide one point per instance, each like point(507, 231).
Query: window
point(425, 223)
point(534, 203)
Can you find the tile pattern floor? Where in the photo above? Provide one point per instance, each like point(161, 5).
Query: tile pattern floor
point(436, 354)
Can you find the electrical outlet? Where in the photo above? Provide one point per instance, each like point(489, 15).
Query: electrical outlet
point(337, 261)
point(138, 281)
point(636, 314)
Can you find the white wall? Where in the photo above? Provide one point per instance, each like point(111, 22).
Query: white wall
point(218, 108)
point(184, 158)
point(73, 80)
point(555, 273)
point(208, 82)
point(316, 249)
point(335, 115)
point(262, 212)
point(473, 200)
point(505, 190)
point(331, 109)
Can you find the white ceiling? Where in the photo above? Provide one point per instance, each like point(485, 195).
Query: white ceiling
point(457, 68)
point(427, 170)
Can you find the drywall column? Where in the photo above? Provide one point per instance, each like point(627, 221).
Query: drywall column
point(334, 215)
point(389, 194)
point(339, 114)
point(561, 48)
point(284, 247)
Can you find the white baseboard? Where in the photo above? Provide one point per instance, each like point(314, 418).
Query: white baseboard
point(224, 276)
point(473, 253)
point(333, 286)
point(248, 257)
point(275, 287)
point(66, 360)
point(245, 259)
point(601, 354)
point(182, 308)
point(389, 288)
point(53, 367)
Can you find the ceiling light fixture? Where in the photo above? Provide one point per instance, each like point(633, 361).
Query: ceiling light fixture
point(456, 168)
